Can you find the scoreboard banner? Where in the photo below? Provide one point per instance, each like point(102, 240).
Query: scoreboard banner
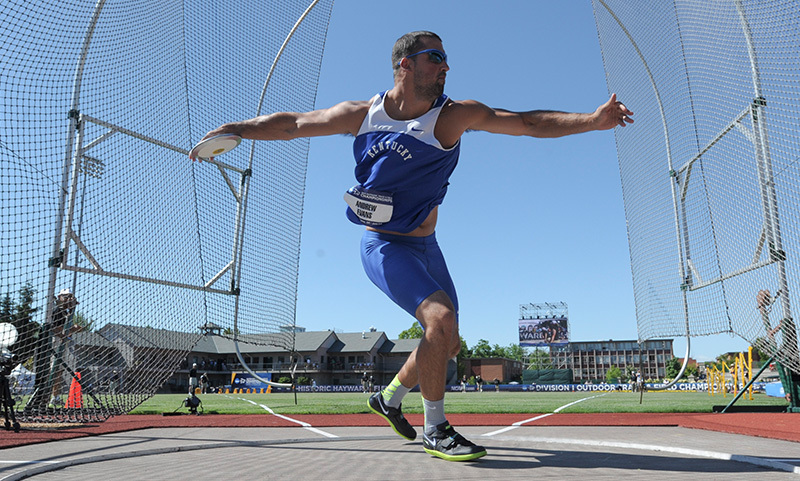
point(543, 332)
point(244, 380)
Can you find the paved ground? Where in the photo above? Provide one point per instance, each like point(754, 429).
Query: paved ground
point(375, 452)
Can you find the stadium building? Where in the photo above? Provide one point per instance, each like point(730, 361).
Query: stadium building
point(329, 357)
point(590, 361)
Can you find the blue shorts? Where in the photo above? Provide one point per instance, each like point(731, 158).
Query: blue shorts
point(407, 269)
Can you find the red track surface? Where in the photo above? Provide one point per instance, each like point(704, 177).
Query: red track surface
point(784, 426)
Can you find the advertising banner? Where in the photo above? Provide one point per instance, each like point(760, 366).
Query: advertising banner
point(543, 332)
point(243, 380)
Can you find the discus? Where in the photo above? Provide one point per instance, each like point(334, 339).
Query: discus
point(8, 334)
point(214, 146)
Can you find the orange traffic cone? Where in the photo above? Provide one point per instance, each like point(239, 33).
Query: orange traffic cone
point(75, 399)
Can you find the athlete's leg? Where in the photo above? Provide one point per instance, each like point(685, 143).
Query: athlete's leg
point(438, 316)
point(441, 338)
point(397, 265)
point(413, 273)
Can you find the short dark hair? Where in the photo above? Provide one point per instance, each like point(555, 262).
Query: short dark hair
point(408, 44)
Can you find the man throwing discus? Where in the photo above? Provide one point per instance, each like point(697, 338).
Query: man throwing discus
point(406, 144)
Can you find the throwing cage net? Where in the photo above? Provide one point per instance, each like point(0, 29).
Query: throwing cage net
point(102, 101)
point(711, 169)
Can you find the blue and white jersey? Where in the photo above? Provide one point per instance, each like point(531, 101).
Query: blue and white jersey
point(401, 169)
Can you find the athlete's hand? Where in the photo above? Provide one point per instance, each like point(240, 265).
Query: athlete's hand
point(222, 129)
point(612, 114)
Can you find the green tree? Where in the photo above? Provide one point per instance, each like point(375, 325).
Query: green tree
point(24, 310)
point(516, 352)
point(22, 319)
point(7, 309)
point(539, 359)
point(673, 367)
point(498, 351)
point(413, 332)
point(613, 374)
point(758, 353)
point(482, 349)
point(465, 351)
point(84, 321)
point(227, 331)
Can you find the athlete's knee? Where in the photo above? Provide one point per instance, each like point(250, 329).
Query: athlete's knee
point(456, 347)
point(437, 315)
point(440, 328)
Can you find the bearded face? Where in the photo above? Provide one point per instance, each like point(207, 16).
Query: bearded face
point(428, 89)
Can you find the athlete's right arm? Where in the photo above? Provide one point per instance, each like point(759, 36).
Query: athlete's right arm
point(342, 118)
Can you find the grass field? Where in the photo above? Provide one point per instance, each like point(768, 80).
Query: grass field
point(483, 403)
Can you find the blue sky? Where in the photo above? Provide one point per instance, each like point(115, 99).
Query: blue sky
point(525, 220)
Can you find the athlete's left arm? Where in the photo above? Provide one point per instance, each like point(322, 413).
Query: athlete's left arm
point(542, 123)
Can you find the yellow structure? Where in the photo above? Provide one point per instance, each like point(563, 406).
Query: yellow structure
point(740, 373)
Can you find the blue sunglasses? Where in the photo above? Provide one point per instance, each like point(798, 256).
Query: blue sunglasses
point(434, 55)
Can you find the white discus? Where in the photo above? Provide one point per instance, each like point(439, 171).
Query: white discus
point(214, 146)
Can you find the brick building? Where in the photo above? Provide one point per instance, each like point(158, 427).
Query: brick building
point(491, 368)
point(590, 361)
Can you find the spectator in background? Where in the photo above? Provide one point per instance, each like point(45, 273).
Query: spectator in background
point(193, 381)
point(113, 382)
point(46, 361)
point(788, 330)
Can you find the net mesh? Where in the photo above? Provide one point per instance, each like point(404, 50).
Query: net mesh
point(102, 101)
point(710, 172)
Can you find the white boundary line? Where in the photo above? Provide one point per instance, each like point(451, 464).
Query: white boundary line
point(520, 423)
point(767, 463)
point(48, 466)
point(700, 453)
point(301, 423)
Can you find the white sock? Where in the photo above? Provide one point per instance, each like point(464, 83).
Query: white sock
point(434, 414)
point(394, 393)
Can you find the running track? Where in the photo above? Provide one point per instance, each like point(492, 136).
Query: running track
point(782, 426)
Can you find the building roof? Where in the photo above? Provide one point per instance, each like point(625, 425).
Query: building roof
point(266, 343)
point(149, 337)
point(88, 338)
point(309, 341)
point(210, 343)
point(398, 346)
point(358, 342)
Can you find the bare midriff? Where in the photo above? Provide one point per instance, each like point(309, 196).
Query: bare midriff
point(425, 229)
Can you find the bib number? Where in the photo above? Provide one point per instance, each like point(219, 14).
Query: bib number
point(370, 206)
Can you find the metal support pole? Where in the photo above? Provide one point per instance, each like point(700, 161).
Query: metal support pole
point(749, 383)
point(769, 197)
